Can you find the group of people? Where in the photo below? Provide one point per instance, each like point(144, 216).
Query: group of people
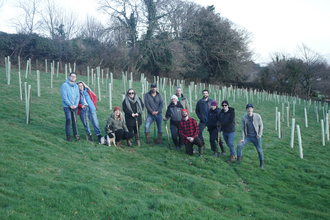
point(79, 99)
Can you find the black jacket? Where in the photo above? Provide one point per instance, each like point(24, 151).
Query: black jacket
point(174, 112)
point(228, 120)
point(214, 118)
point(200, 109)
point(130, 121)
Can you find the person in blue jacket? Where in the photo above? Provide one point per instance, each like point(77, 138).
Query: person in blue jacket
point(70, 98)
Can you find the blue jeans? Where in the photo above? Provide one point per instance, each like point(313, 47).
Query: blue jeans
point(93, 118)
point(70, 116)
point(229, 138)
point(257, 143)
point(150, 119)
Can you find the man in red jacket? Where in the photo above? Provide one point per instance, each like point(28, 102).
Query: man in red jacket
point(188, 130)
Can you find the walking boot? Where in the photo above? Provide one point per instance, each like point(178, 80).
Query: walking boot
point(99, 137)
point(147, 137)
point(136, 138)
point(223, 149)
point(232, 158)
point(262, 162)
point(159, 140)
point(129, 142)
point(239, 159)
point(120, 144)
point(69, 139)
point(91, 138)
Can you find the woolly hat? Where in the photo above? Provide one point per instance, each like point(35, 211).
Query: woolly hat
point(184, 110)
point(174, 97)
point(225, 102)
point(214, 103)
point(116, 108)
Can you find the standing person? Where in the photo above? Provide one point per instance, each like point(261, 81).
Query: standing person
point(174, 112)
point(87, 110)
point(117, 122)
point(213, 128)
point(252, 127)
point(181, 98)
point(154, 103)
point(70, 98)
point(188, 130)
point(227, 118)
point(202, 110)
point(133, 108)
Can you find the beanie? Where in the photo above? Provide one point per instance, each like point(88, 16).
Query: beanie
point(117, 108)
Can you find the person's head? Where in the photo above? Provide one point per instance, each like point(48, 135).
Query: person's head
point(225, 105)
point(249, 109)
point(214, 105)
point(72, 76)
point(131, 93)
point(153, 87)
point(179, 91)
point(184, 113)
point(174, 99)
point(117, 111)
point(205, 93)
point(81, 86)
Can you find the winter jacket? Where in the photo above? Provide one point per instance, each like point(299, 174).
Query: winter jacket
point(116, 124)
point(227, 120)
point(174, 112)
point(91, 100)
point(201, 107)
point(257, 124)
point(153, 103)
point(130, 121)
point(214, 118)
point(184, 102)
point(70, 94)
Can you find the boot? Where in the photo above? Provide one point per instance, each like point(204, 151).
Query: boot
point(69, 139)
point(120, 144)
point(136, 138)
point(91, 138)
point(160, 135)
point(99, 137)
point(214, 149)
point(239, 159)
point(232, 158)
point(200, 149)
point(147, 137)
point(129, 142)
point(262, 162)
point(223, 149)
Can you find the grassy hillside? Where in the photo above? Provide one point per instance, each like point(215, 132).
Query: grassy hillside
point(45, 177)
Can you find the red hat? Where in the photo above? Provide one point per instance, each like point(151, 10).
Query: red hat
point(117, 108)
point(184, 110)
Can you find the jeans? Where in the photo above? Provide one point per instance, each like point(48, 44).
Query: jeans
point(201, 127)
point(175, 135)
point(257, 143)
point(93, 118)
point(70, 116)
point(150, 119)
point(229, 138)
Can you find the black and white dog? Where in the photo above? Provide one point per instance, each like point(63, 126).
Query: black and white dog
point(110, 137)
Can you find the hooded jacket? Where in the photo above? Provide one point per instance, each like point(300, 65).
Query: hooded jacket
point(153, 103)
point(70, 94)
point(227, 120)
point(174, 112)
point(116, 124)
point(214, 118)
point(91, 100)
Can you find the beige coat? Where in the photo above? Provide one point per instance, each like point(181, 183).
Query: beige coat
point(257, 124)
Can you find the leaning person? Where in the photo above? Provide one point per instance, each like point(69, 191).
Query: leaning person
point(188, 130)
point(70, 98)
point(214, 129)
point(133, 108)
point(118, 125)
point(252, 127)
point(173, 112)
point(87, 110)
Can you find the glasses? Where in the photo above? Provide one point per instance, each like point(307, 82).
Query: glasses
point(131, 93)
point(224, 105)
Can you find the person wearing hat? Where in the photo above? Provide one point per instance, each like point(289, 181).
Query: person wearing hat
point(213, 128)
point(154, 103)
point(173, 112)
point(188, 130)
point(227, 118)
point(87, 110)
point(202, 111)
point(117, 122)
point(252, 127)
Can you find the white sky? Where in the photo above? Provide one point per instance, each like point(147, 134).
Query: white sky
point(276, 26)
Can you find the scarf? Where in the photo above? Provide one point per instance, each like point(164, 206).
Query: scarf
point(129, 101)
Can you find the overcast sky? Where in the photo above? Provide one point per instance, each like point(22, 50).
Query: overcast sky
point(276, 26)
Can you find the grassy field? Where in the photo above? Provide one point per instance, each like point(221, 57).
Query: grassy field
point(45, 177)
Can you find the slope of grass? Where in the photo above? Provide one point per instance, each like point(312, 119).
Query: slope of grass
point(45, 177)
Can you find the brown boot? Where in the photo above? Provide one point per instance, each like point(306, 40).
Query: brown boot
point(147, 137)
point(120, 144)
point(136, 138)
point(129, 142)
point(69, 139)
point(232, 158)
point(160, 135)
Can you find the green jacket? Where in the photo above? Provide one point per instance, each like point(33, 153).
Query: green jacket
point(116, 124)
point(184, 102)
point(257, 124)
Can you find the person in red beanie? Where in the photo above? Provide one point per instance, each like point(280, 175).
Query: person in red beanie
point(188, 130)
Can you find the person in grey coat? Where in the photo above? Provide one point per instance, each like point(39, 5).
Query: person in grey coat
point(252, 127)
point(181, 98)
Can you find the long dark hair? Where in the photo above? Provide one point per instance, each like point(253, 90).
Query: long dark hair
point(129, 90)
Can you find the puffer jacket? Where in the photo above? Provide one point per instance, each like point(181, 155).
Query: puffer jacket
point(214, 118)
point(116, 124)
point(228, 120)
point(90, 96)
point(174, 112)
point(200, 109)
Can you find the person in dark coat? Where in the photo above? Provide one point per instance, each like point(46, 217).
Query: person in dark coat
point(174, 113)
point(133, 108)
point(214, 127)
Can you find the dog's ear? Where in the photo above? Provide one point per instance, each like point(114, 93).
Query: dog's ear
point(110, 135)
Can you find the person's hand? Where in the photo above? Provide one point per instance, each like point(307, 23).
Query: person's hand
point(73, 107)
point(154, 113)
point(137, 114)
point(241, 141)
point(133, 115)
point(83, 106)
point(164, 118)
point(190, 139)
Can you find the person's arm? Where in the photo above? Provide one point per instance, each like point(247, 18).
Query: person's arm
point(76, 93)
point(197, 110)
point(64, 94)
point(196, 129)
point(261, 127)
point(161, 104)
point(125, 109)
point(168, 113)
point(146, 103)
point(243, 128)
point(142, 105)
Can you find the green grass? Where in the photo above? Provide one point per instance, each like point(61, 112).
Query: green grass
point(45, 177)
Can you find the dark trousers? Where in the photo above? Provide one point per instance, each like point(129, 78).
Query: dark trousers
point(214, 138)
point(132, 128)
point(122, 135)
point(201, 127)
point(189, 146)
point(175, 135)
